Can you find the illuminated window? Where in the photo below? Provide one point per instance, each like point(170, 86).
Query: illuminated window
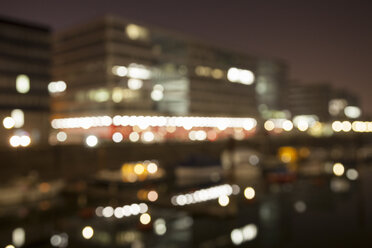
point(117, 94)
point(120, 71)
point(335, 106)
point(100, 95)
point(352, 112)
point(242, 76)
point(135, 84)
point(217, 73)
point(135, 32)
point(23, 84)
point(18, 117)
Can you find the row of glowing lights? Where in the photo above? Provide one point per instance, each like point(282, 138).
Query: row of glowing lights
point(133, 71)
point(23, 85)
point(154, 121)
point(238, 235)
point(57, 87)
point(20, 141)
point(146, 137)
point(120, 212)
point(339, 170)
point(286, 125)
point(201, 135)
point(337, 126)
point(220, 192)
point(88, 231)
point(117, 137)
point(356, 126)
point(15, 120)
point(136, 74)
point(150, 167)
point(234, 75)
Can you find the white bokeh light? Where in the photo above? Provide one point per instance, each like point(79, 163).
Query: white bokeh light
point(117, 137)
point(91, 141)
point(87, 232)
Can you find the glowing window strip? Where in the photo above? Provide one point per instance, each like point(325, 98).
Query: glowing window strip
point(154, 121)
point(202, 195)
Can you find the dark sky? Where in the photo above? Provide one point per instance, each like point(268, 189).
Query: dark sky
point(321, 40)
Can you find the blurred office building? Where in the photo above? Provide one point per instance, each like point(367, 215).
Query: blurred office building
point(321, 101)
point(344, 105)
point(309, 99)
point(24, 76)
point(112, 67)
point(271, 88)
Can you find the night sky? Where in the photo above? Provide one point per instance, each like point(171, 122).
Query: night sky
point(322, 41)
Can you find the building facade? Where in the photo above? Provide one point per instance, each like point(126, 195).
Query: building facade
point(114, 67)
point(24, 76)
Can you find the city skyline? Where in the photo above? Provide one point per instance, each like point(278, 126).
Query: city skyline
point(329, 38)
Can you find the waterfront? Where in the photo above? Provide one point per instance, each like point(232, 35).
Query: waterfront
point(314, 208)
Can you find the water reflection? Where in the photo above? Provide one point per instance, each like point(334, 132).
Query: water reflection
point(301, 203)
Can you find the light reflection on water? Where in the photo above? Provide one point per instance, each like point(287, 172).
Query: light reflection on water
point(312, 211)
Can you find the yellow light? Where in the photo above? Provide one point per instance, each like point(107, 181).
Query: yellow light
point(223, 200)
point(145, 219)
point(337, 126)
point(249, 193)
point(9, 246)
point(302, 125)
point(269, 125)
point(369, 127)
point(316, 129)
point(287, 154)
point(338, 169)
point(87, 232)
point(346, 126)
point(360, 126)
point(203, 71)
point(127, 173)
point(117, 94)
point(8, 122)
point(139, 169)
point(136, 32)
point(217, 73)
